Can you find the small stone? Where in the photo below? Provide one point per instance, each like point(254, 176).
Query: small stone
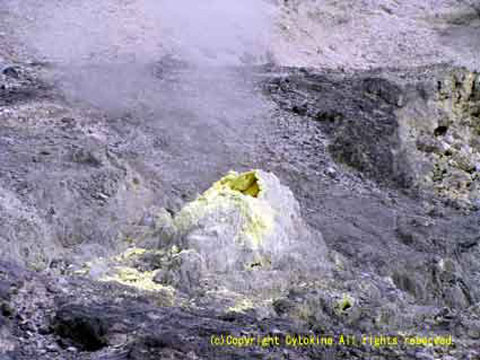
point(10, 71)
point(44, 330)
point(117, 339)
point(164, 277)
point(72, 349)
point(330, 171)
point(52, 347)
point(6, 309)
point(192, 356)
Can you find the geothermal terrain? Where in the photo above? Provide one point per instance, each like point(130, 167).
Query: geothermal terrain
point(176, 173)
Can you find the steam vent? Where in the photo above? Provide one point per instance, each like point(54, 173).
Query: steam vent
point(226, 179)
point(247, 221)
point(243, 235)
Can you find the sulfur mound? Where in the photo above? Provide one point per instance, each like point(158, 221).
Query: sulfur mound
point(247, 222)
point(244, 233)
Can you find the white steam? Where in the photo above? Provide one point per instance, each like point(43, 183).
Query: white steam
point(219, 32)
point(111, 54)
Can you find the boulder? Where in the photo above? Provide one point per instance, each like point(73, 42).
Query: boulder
point(248, 221)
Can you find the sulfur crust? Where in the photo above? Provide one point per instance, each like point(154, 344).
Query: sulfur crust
point(240, 191)
point(130, 253)
point(140, 280)
point(242, 306)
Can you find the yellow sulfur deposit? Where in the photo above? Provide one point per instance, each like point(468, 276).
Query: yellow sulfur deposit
point(347, 302)
point(246, 183)
point(130, 253)
point(140, 280)
point(241, 193)
point(241, 306)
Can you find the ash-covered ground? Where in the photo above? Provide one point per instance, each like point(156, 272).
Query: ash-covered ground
point(124, 236)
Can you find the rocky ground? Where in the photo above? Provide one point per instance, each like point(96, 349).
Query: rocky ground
point(363, 220)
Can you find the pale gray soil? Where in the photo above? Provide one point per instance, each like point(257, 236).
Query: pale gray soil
point(368, 34)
